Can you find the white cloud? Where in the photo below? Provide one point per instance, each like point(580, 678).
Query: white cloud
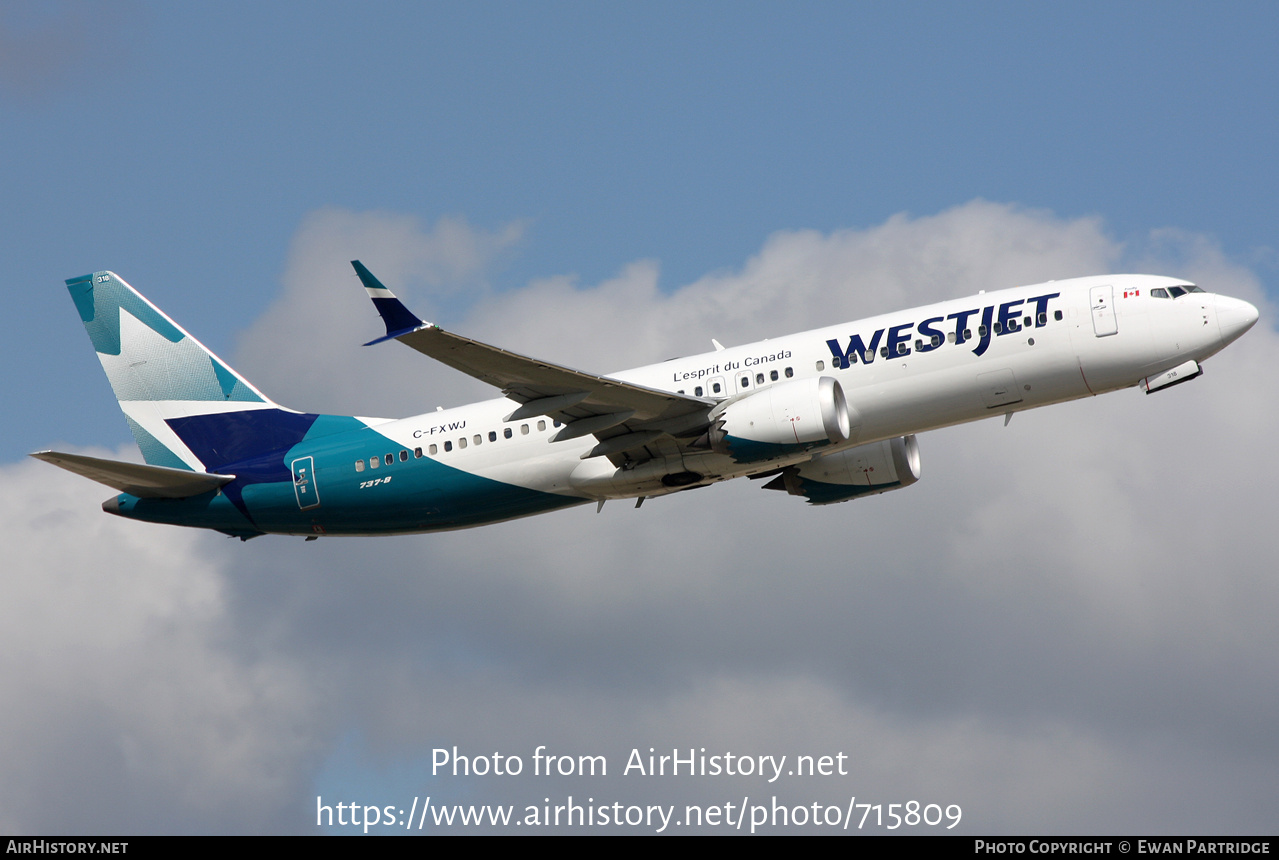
point(130, 703)
point(305, 353)
point(799, 280)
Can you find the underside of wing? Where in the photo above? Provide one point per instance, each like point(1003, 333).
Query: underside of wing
point(145, 482)
point(626, 419)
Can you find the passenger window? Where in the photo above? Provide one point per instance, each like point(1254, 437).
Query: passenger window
point(759, 378)
point(492, 435)
point(555, 423)
point(461, 443)
point(981, 331)
point(772, 374)
point(541, 425)
point(523, 429)
point(715, 387)
point(919, 344)
point(821, 365)
point(1043, 319)
point(746, 382)
point(883, 351)
point(697, 391)
point(1028, 322)
point(1057, 316)
point(448, 446)
point(950, 336)
point(999, 328)
point(404, 456)
point(390, 458)
point(417, 453)
point(935, 340)
point(359, 465)
point(478, 438)
point(507, 433)
point(374, 462)
point(790, 372)
point(434, 450)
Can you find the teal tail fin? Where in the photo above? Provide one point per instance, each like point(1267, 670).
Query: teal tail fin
point(163, 377)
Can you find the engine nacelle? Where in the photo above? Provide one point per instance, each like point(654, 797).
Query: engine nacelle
point(862, 471)
point(782, 419)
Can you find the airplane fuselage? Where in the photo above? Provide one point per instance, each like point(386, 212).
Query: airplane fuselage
point(900, 374)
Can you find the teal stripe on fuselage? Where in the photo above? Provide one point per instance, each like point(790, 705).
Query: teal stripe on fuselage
point(422, 495)
point(211, 510)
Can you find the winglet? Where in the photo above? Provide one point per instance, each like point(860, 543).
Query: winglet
point(398, 319)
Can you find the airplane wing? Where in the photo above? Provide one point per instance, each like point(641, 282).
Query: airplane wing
point(624, 417)
point(145, 482)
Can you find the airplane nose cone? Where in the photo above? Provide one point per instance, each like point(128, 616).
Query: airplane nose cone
point(1235, 317)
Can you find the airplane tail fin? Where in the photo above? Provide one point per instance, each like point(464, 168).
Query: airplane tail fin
point(186, 407)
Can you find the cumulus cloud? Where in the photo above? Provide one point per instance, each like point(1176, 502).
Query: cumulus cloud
point(304, 351)
point(1063, 627)
point(132, 704)
point(798, 280)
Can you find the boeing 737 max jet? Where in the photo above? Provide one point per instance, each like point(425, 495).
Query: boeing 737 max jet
point(829, 414)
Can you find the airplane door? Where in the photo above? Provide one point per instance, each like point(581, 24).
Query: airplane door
point(1103, 311)
point(304, 487)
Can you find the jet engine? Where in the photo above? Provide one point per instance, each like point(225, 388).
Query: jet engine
point(781, 419)
point(862, 471)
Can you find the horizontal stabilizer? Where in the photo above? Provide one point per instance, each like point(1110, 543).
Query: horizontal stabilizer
point(145, 482)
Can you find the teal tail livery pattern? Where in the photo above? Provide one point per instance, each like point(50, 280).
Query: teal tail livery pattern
point(828, 414)
point(158, 372)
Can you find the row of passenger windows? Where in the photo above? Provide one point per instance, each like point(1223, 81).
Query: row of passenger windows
point(433, 449)
point(743, 383)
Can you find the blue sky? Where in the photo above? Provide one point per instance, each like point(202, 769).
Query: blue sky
point(225, 158)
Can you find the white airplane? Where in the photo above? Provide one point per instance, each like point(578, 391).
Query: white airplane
point(829, 414)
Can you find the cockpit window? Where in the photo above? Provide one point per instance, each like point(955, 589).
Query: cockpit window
point(1174, 292)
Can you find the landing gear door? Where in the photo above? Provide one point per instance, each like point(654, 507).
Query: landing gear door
point(1103, 311)
point(304, 487)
